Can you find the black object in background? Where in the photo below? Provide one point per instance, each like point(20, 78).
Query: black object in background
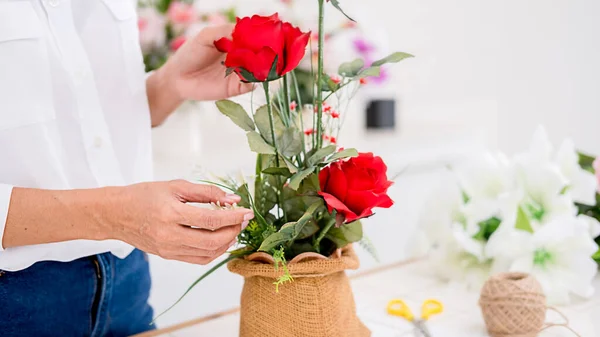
point(381, 114)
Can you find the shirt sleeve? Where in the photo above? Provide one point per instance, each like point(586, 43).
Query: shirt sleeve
point(5, 193)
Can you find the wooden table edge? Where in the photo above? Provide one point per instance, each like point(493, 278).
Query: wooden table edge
point(235, 310)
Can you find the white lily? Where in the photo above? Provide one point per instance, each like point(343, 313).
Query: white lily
point(447, 231)
point(558, 255)
point(577, 182)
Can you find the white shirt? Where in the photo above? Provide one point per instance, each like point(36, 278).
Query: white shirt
point(73, 108)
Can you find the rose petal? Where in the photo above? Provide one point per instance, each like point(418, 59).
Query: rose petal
point(334, 203)
point(324, 178)
point(359, 201)
point(258, 64)
point(295, 46)
point(360, 178)
point(258, 32)
point(337, 184)
point(224, 45)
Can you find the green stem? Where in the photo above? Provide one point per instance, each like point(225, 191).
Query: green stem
point(212, 270)
point(270, 109)
point(322, 234)
point(288, 100)
point(286, 97)
point(300, 110)
point(320, 74)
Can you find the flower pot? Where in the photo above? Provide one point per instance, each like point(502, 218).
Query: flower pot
point(318, 303)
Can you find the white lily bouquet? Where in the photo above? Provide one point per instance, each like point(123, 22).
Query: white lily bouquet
point(536, 213)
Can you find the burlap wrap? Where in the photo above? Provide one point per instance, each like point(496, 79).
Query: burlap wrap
point(318, 303)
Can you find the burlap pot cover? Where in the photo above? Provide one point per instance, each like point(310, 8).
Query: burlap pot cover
point(318, 303)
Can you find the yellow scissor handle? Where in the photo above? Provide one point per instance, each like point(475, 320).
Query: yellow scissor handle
point(431, 307)
point(399, 308)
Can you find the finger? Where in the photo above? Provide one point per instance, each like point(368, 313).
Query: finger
point(190, 192)
point(184, 250)
point(201, 260)
point(207, 240)
point(214, 219)
point(239, 87)
point(216, 32)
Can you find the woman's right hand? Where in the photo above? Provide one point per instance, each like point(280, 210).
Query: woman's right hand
point(156, 218)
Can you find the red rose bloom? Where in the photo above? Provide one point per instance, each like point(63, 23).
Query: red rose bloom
point(257, 42)
point(354, 187)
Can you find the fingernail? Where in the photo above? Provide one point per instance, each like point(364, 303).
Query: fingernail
point(245, 224)
point(233, 197)
point(249, 216)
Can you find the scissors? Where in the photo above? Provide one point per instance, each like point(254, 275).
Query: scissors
point(429, 308)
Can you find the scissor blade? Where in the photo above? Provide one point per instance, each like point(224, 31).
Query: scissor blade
point(422, 328)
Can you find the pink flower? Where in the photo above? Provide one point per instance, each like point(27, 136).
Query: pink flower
point(181, 13)
point(597, 169)
point(152, 28)
point(177, 42)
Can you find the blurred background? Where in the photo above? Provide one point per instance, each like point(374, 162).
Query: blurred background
point(484, 76)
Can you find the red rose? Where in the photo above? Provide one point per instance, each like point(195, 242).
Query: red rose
point(257, 42)
point(354, 187)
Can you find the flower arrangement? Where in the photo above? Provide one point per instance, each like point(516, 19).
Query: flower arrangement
point(537, 213)
point(308, 195)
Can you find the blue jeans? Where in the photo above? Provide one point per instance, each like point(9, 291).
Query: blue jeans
point(100, 295)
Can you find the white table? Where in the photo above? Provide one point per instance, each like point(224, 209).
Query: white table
point(411, 282)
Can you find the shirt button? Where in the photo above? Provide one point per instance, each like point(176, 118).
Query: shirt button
point(53, 3)
point(98, 142)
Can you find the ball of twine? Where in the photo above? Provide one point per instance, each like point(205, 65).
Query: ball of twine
point(513, 305)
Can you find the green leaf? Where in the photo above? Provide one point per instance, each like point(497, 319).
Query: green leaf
point(369, 72)
point(321, 154)
point(336, 4)
point(290, 231)
point(290, 143)
point(248, 76)
point(586, 162)
point(273, 75)
point(266, 194)
point(278, 171)
point(328, 84)
point(288, 163)
point(236, 113)
point(393, 58)
point(231, 257)
point(351, 69)
point(523, 222)
point(261, 118)
point(310, 229)
point(347, 153)
point(596, 256)
point(299, 177)
point(346, 234)
point(242, 191)
point(258, 144)
point(487, 228)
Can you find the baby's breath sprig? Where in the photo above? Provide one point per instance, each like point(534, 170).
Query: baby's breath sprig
point(280, 262)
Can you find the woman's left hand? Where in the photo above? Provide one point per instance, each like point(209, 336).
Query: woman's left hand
point(197, 71)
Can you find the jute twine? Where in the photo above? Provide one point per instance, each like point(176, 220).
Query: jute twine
point(318, 303)
point(514, 305)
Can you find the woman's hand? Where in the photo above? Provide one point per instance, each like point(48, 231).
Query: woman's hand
point(154, 217)
point(194, 72)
